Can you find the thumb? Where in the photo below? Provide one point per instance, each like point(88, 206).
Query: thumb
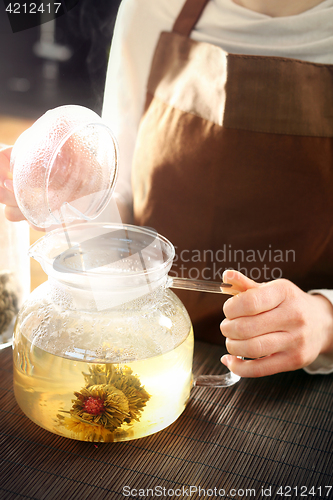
point(239, 280)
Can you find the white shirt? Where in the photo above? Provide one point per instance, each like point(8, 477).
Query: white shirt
point(307, 36)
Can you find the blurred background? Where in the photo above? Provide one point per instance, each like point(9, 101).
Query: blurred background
point(59, 62)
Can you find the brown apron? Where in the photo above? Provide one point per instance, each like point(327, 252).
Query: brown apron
point(234, 164)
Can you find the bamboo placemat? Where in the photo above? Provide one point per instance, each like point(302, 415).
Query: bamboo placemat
point(263, 438)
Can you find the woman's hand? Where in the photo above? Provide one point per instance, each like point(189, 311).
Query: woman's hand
point(277, 324)
point(7, 197)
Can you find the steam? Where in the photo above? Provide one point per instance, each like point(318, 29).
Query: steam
point(94, 20)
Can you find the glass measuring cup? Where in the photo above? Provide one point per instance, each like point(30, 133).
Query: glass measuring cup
point(64, 167)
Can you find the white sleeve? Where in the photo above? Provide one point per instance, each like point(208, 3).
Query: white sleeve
point(138, 26)
point(323, 364)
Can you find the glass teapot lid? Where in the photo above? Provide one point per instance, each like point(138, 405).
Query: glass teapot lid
point(64, 167)
point(114, 263)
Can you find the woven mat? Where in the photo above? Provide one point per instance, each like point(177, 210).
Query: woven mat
point(264, 438)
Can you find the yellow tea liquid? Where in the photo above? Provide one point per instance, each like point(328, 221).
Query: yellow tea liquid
point(45, 383)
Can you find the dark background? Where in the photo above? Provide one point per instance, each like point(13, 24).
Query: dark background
point(31, 84)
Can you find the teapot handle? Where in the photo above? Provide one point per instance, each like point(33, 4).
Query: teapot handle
point(202, 286)
point(227, 379)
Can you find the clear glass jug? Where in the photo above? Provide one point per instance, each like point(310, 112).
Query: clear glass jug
point(103, 350)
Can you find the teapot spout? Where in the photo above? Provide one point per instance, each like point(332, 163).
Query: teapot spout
point(45, 249)
point(69, 213)
point(37, 251)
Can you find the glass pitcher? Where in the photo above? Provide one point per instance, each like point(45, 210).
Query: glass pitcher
point(103, 350)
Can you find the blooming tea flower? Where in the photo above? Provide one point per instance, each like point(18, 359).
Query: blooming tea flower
point(112, 396)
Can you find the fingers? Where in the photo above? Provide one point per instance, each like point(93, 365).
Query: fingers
point(263, 367)
point(256, 328)
point(258, 347)
point(246, 327)
point(14, 214)
point(278, 326)
point(5, 174)
point(12, 211)
point(5, 164)
point(239, 280)
point(6, 152)
point(253, 301)
point(8, 184)
point(6, 179)
point(7, 197)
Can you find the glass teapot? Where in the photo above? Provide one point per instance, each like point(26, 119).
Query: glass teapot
point(103, 350)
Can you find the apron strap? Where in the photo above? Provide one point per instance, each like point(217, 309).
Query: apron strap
point(189, 16)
